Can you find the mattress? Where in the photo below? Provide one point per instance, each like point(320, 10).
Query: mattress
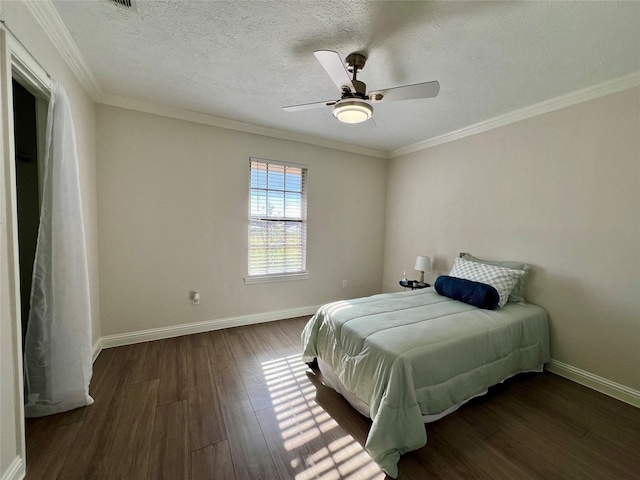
point(409, 355)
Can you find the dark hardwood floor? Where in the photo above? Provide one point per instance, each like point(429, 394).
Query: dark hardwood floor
point(240, 404)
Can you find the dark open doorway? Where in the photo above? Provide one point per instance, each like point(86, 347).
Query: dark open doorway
point(27, 189)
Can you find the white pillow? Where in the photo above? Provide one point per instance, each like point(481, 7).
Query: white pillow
point(500, 278)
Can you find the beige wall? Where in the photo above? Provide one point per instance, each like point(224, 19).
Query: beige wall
point(27, 30)
point(560, 191)
point(173, 206)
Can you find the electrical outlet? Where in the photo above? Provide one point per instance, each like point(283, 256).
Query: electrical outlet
point(195, 298)
point(345, 283)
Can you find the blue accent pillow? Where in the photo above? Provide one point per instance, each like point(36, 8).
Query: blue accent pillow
point(477, 294)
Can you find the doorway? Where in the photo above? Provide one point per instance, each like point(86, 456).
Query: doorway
point(16, 64)
point(27, 190)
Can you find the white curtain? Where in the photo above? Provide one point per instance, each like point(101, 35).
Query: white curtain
point(57, 355)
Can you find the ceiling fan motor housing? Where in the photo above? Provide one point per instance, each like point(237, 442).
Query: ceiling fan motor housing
point(361, 90)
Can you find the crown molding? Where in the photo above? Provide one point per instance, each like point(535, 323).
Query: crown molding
point(205, 119)
point(607, 88)
point(48, 18)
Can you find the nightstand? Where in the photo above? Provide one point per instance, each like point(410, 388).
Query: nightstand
point(413, 284)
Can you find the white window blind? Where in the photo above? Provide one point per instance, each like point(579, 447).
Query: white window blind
point(277, 218)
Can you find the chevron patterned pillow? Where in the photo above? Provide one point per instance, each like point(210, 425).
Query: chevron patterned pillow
point(500, 278)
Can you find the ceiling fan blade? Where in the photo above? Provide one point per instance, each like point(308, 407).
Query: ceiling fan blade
point(406, 92)
point(309, 106)
point(334, 66)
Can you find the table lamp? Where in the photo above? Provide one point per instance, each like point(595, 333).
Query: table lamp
point(423, 264)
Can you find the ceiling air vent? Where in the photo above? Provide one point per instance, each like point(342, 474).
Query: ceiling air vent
point(122, 3)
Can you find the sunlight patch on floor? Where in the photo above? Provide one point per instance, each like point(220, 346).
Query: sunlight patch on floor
point(316, 445)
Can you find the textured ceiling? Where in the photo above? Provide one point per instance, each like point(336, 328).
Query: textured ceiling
point(244, 60)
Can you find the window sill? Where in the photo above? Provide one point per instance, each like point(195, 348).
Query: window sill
point(285, 277)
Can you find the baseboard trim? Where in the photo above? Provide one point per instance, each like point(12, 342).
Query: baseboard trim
point(139, 336)
point(600, 384)
point(95, 351)
point(16, 470)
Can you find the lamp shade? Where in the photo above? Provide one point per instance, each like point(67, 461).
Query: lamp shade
point(423, 264)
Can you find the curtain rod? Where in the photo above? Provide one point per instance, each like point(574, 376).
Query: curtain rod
point(6, 28)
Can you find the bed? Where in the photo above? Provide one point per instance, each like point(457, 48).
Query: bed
point(407, 358)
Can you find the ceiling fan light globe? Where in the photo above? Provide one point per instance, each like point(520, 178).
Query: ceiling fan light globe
point(352, 111)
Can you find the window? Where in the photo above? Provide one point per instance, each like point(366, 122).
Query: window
point(277, 218)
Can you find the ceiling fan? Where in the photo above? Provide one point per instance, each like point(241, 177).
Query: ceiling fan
point(355, 105)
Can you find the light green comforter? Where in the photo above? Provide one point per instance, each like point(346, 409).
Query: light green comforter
point(410, 354)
